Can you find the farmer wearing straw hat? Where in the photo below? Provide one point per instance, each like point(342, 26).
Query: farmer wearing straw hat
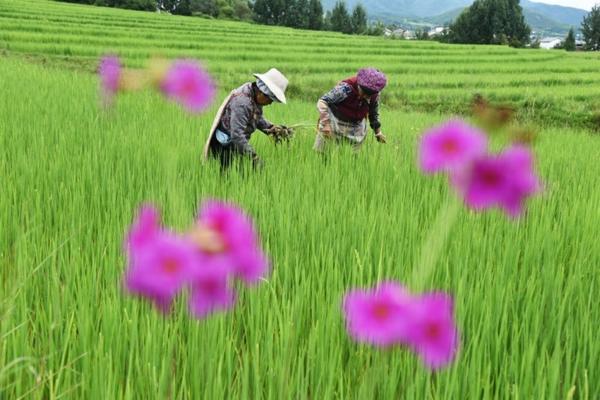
point(343, 111)
point(241, 114)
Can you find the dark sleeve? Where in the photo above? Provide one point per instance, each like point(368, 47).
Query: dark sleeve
point(374, 113)
point(337, 94)
point(240, 116)
point(263, 124)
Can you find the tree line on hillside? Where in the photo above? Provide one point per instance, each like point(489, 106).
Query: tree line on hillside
point(308, 14)
point(491, 22)
point(502, 22)
point(304, 14)
point(590, 30)
point(233, 9)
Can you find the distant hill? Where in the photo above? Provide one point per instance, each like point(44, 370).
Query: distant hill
point(541, 17)
point(541, 23)
point(566, 15)
point(445, 18)
point(404, 8)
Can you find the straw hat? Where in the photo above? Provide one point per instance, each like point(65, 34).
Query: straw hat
point(276, 82)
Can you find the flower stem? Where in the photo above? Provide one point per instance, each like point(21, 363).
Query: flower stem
point(434, 243)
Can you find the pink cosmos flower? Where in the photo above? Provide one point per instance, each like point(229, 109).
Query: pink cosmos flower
point(433, 333)
point(525, 181)
point(211, 290)
point(388, 315)
point(145, 228)
point(450, 146)
point(224, 232)
point(160, 263)
point(110, 72)
point(222, 245)
point(189, 84)
point(504, 180)
point(161, 269)
point(379, 316)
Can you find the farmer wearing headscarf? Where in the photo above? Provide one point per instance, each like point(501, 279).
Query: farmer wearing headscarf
point(241, 114)
point(343, 111)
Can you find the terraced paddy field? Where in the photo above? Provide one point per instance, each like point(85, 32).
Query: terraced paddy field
point(72, 177)
point(548, 86)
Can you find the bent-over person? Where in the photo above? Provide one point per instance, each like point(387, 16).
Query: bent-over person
point(241, 114)
point(343, 111)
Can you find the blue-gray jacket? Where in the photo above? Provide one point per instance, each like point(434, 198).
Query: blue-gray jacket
point(242, 116)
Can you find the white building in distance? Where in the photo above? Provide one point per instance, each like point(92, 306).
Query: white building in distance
point(549, 42)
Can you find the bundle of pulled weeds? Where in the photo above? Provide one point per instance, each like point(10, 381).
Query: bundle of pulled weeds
point(281, 133)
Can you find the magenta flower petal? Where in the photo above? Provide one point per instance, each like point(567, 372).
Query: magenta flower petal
point(241, 243)
point(160, 268)
point(485, 183)
point(110, 72)
point(379, 316)
point(450, 146)
point(189, 84)
point(433, 333)
point(504, 180)
point(252, 265)
point(144, 229)
point(524, 181)
point(211, 291)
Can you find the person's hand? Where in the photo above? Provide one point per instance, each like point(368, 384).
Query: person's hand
point(380, 137)
point(326, 130)
point(276, 128)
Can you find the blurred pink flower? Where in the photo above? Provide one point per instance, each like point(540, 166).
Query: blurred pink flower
point(450, 146)
point(211, 290)
point(110, 72)
point(225, 232)
point(161, 268)
point(525, 182)
point(160, 263)
point(504, 180)
point(189, 84)
point(388, 315)
point(379, 316)
point(222, 245)
point(145, 228)
point(433, 333)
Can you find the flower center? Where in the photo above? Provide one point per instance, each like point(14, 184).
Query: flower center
point(170, 266)
point(381, 311)
point(449, 146)
point(208, 239)
point(189, 87)
point(432, 331)
point(490, 177)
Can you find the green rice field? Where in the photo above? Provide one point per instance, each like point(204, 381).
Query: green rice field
point(72, 177)
point(548, 86)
